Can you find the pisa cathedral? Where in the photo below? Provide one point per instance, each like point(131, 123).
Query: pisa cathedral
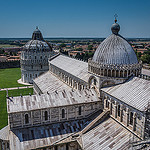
point(99, 105)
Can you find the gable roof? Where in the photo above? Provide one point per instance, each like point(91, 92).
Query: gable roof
point(47, 82)
point(55, 99)
point(135, 92)
point(73, 66)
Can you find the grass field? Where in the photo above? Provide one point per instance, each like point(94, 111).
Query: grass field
point(3, 107)
point(9, 77)
point(7, 45)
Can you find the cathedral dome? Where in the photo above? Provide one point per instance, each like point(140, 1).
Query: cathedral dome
point(115, 50)
point(37, 43)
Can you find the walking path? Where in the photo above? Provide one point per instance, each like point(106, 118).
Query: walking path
point(15, 88)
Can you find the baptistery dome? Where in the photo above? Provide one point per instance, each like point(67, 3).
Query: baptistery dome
point(37, 43)
point(115, 50)
point(34, 57)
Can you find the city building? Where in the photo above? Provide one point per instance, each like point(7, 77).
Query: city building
point(96, 105)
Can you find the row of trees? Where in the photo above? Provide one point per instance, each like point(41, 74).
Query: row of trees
point(84, 56)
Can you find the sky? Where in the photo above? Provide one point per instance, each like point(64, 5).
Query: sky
point(74, 18)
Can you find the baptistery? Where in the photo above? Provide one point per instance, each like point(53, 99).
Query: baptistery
point(34, 57)
point(114, 61)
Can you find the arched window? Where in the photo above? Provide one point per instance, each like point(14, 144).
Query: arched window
point(63, 113)
point(94, 81)
point(41, 57)
point(109, 73)
point(26, 119)
point(79, 110)
point(41, 66)
point(46, 115)
point(131, 118)
point(117, 73)
point(35, 57)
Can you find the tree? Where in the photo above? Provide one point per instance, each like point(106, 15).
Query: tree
point(79, 49)
point(78, 56)
point(90, 47)
point(146, 58)
point(62, 45)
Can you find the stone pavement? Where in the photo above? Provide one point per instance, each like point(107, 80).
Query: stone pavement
point(15, 88)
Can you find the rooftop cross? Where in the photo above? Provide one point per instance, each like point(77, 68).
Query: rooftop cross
point(115, 17)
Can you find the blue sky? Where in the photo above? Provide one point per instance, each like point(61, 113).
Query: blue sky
point(74, 18)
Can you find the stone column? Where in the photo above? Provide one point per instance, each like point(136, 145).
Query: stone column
point(123, 73)
point(105, 100)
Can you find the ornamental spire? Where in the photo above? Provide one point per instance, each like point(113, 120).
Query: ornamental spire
point(115, 17)
point(115, 27)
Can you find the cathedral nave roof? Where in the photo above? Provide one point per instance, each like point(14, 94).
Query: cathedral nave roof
point(74, 67)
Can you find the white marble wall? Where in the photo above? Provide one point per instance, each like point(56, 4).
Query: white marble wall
point(37, 117)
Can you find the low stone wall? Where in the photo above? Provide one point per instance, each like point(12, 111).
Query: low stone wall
point(10, 64)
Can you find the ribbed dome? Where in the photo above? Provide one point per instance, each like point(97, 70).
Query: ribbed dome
point(37, 45)
point(115, 50)
point(37, 35)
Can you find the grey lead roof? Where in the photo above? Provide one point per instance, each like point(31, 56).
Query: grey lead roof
point(48, 82)
point(37, 45)
point(115, 50)
point(4, 133)
point(73, 66)
point(55, 99)
point(109, 135)
point(135, 92)
point(42, 136)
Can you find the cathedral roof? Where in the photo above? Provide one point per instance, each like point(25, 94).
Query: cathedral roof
point(49, 100)
point(135, 92)
point(75, 67)
point(115, 50)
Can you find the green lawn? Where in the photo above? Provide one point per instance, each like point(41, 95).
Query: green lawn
point(3, 108)
point(7, 45)
point(9, 77)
